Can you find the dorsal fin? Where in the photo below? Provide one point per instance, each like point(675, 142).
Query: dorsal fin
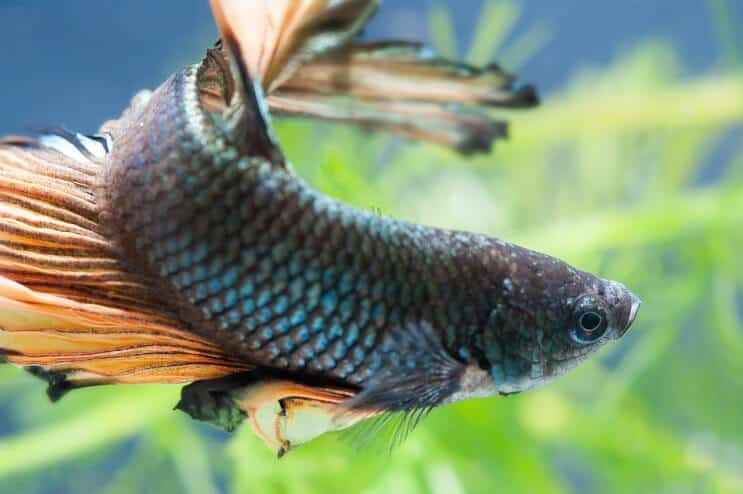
point(275, 36)
point(404, 89)
point(301, 54)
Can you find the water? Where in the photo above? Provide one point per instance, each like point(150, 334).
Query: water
point(77, 63)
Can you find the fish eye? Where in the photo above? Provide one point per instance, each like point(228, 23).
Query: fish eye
point(589, 325)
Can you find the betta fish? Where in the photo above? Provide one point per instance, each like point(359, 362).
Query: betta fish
point(177, 245)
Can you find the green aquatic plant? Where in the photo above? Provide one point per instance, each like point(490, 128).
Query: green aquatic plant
point(632, 170)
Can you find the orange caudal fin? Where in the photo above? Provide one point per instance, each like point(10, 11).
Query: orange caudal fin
point(69, 311)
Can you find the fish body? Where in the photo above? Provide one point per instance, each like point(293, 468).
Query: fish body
point(197, 208)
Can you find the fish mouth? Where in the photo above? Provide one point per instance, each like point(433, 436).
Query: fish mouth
point(634, 308)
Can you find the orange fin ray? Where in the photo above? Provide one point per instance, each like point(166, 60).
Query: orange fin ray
point(69, 311)
point(275, 37)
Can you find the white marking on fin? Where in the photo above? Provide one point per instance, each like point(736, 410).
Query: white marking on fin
point(93, 145)
point(63, 146)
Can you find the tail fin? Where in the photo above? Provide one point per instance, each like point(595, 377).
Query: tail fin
point(402, 88)
point(69, 309)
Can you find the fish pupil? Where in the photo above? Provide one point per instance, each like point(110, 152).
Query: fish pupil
point(590, 321)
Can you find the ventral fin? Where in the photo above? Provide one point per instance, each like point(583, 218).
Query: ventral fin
point(281, 412)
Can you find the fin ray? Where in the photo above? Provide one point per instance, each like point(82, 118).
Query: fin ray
point(404, 89)
point(275, 36)
point(69, 311)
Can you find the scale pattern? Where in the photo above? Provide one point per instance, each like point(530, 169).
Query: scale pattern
point(291, 280)
point(282, 275)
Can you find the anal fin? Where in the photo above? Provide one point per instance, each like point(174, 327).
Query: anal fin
point(283, 413)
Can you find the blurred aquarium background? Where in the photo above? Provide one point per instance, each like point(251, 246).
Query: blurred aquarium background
point(631, 168)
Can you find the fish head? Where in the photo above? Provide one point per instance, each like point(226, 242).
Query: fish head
point(549, 317)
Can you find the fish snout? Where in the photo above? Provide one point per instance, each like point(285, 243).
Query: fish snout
point(634, 308)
